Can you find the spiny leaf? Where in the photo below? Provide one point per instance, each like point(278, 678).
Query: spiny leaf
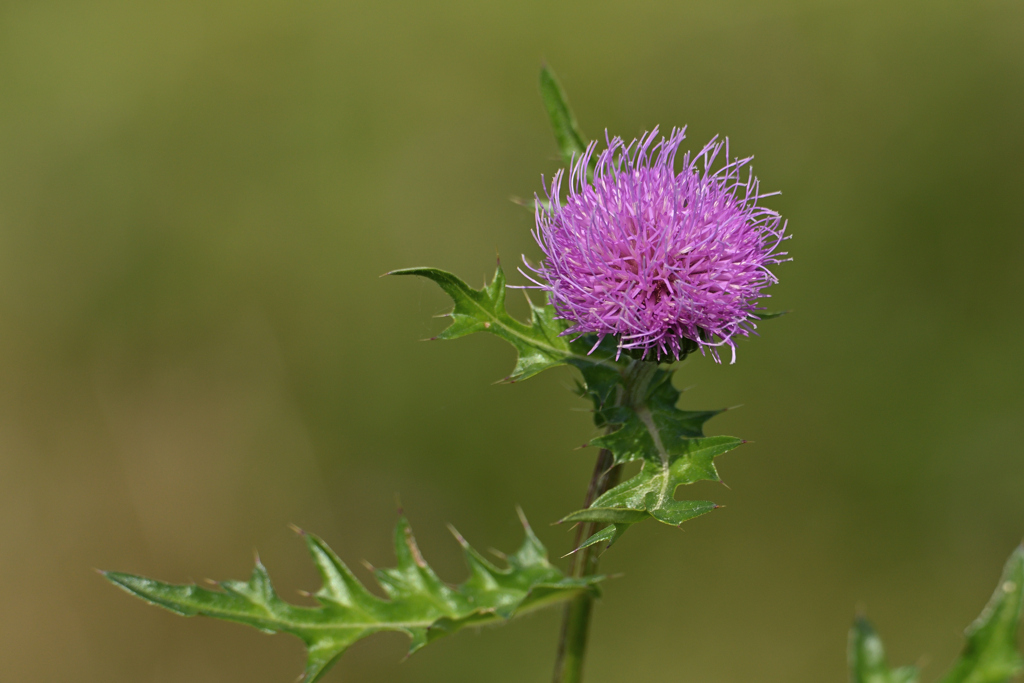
point(571, 142)
point(539, 344)
point(990, 654)
point(668, 441)
point(418, 603)
point(866, 657)
point(653, 425)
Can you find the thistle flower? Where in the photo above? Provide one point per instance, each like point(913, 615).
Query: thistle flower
point(664, 262)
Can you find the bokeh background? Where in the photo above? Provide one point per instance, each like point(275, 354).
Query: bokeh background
point(197, 199)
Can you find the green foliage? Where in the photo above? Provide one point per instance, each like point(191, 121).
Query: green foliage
point(634, 401)
point(418, 603)
point(989, 656)
point(538, 343)
point(571, 142)
point(648, 427)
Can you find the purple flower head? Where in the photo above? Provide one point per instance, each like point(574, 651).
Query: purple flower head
point(662, 261)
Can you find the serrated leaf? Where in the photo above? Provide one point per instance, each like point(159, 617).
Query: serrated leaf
point(990, 654)
point(668, 441)
point(418, 603)
point(539, 344)
point(571, 142)
point(866, 657)
point(653, 426)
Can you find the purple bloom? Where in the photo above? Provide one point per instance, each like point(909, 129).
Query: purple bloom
point(653, 257)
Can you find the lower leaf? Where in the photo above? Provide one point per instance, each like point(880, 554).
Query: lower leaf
point(418, 603)
point(989, 656)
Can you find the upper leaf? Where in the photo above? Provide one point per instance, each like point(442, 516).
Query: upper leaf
point(653, 425)
point(991, 655)
point(539, 344)
point(571, 142)
point(418, 603)
point(866, 657)
point(668, 441)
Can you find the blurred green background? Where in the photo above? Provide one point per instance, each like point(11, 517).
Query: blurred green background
point(197, 198)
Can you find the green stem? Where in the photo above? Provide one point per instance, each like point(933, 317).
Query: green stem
point(575, 629)
point(572, 642)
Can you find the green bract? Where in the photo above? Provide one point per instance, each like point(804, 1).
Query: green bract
point(418, 603)
point(990, 655)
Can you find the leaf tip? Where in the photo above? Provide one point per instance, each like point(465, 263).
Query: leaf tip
point(458, 537)
point(522, 517)
point(414, 550)
point(298, 530)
